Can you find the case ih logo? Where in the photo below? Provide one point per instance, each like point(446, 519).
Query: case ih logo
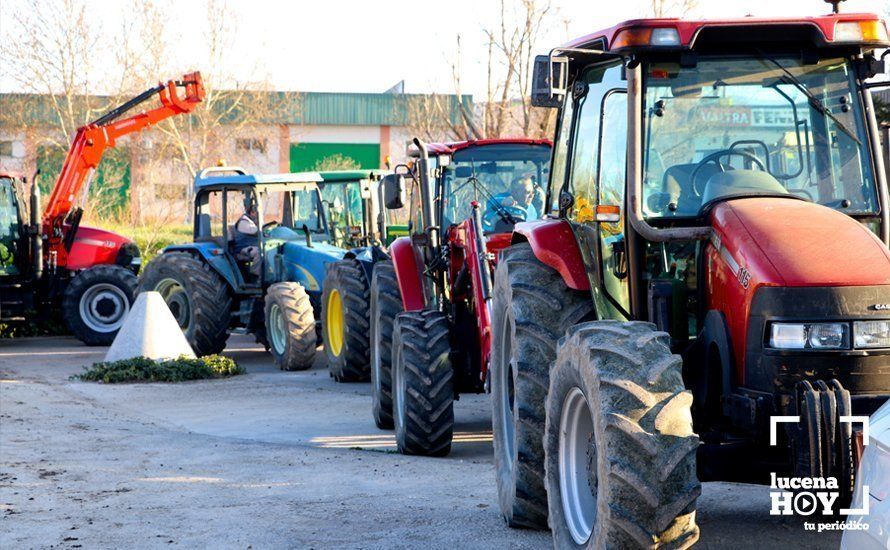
point(805, 496)
point(881, 307)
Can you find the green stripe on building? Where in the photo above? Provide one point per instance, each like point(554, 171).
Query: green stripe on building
point(306, 156)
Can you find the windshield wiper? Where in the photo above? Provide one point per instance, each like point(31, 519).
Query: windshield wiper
point(814, 101)
point(499, 209)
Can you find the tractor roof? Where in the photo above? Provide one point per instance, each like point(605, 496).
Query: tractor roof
point(336, 176)
point(449, 148)
point(864, 30)
point(233, 176)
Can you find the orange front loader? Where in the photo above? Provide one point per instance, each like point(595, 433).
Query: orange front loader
point(92, 272)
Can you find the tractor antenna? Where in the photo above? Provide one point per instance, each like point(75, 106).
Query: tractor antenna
point(835, 5)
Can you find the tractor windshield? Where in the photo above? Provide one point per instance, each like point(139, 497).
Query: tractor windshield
point(739, 126)
point(9, 227)
point(508, 179)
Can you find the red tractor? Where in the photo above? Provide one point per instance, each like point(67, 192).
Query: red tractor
point(51, 261)
point(719, 261)
point(430, 325)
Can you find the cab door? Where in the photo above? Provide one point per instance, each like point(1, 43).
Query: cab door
point(596, 176)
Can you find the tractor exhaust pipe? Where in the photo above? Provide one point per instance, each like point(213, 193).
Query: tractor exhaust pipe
point(428, 195)
point(36, 230)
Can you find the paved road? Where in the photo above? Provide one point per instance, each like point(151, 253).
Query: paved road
point(269, 459)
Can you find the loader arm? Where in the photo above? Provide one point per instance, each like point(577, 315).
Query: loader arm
point(91, 141)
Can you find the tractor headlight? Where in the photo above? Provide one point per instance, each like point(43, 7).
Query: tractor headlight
point(809, 336)
point(871, 334)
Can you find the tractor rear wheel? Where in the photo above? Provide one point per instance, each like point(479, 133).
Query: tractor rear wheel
point(423, 391)
point(197, 297)
point(290, 326)
point(97, 301)
point(532, 308)
point(386, 303)
point(345, 321)
point(620, 449)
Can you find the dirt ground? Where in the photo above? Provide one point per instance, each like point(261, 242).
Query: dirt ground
point(266, 460)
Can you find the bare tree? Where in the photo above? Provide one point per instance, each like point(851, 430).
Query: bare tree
point(671, 8)
point(506, 108)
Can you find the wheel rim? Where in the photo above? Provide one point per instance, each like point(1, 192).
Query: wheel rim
point(505, 396)
point(375, 348)
point(103, 307)
point(277, 330)
point(577, 466)
point(334, 322)
point(399, 385)
point(176, 297)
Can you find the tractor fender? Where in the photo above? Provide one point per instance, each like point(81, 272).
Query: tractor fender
point(302, 264)
point(367, 256)
point(553, 243)
point(715, 340)
point(408, 274)
point(214, 256)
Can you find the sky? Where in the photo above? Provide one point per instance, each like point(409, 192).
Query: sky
point(368, 46)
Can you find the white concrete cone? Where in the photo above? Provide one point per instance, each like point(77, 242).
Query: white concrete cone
point(149, 330)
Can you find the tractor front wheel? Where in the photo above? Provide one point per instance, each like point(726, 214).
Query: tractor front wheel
point(386, 303)
point(197, 297)
point(532, 308)
point(290, 326)
point(345, 319)
point(423, 390)
point(97, 301)
point(620, 449)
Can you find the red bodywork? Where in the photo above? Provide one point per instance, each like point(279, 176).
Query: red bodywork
point(690, 30)
point(783, 242)
point(408, 273)
point(553, 242)
point(92, 247)
point(84, 155)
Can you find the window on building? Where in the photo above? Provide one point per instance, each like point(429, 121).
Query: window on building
point(251, 144)
point(5, 148)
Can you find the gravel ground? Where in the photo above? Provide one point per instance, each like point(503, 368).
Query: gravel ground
point(267, 460)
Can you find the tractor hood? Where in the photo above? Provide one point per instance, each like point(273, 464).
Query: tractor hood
point(93, 246)
point(789, 242)
point(300, 263)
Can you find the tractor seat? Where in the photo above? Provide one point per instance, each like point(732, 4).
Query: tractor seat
point(679, 176)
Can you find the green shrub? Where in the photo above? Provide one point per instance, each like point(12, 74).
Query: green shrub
point(141, 369)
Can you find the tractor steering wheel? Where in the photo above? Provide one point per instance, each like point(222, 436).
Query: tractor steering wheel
point(269, 226)
point(494, 219)
point(714, 157)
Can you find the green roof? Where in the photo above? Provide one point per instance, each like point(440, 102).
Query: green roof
point(292, 108)
point(335, 176)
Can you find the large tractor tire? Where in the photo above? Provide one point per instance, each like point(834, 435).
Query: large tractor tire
point(620, 449)
point(97, 301)
point(423, 391)
point(531, 310)
point(197, 297)
point(345, 323)
point(290, 326)
point(386, 303)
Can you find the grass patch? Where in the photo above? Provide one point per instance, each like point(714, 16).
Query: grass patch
point(150, 239)
point(141, 369)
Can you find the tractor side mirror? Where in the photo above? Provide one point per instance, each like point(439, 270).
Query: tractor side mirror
point(549, 81)
point(394, 194)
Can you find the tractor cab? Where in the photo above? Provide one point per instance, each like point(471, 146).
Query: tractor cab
point(723, 214)
point(14, 251)
point(347, 197)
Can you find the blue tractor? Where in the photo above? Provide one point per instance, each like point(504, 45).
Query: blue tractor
point(268, 282)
